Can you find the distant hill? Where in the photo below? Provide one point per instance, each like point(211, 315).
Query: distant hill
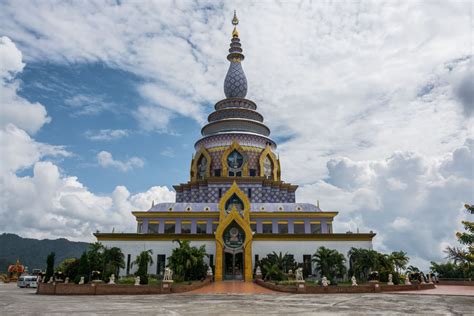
point(33, 252)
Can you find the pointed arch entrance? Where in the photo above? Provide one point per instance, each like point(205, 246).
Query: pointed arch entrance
point(234, 237)
point(234, 265)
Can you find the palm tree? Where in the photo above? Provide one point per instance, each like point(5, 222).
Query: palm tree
point(95, 256)
point(114, 260)
point(399, 260)
point(412, 269)
point(329, 262)
point(363, 261)
point(284, 262)
point(457, 255)
point(187, 262)
point(271, 270)
point(143, 260)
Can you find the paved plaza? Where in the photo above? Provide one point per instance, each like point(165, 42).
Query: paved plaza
point(15, 301)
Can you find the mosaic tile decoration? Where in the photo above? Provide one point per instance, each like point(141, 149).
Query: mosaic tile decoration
point(235, 83)
point(254, 207)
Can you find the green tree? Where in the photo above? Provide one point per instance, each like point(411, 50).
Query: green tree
point(143, 260)
point(84, 269)
point(461, 258)
point(447, 270)
point(412, 269)
point(467, 237)
point(329, 263)
point(50, 266)
point(69, 267)
point(362, 262)
point(271, 271)
point(187, 262)
point(284, 262)
point(399, 260)
point(114, 259)
point(95, 257)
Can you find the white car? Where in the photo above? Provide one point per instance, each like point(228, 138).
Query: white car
point(27, 281)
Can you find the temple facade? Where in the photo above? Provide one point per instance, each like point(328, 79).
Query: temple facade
point(235, 202)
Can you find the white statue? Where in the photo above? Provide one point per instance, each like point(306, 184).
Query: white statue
point(422, 279)
point(407, 279)
point(354, 281)
point(325, 281)
point(258, 271)
point(51, 280)
point(430, 280)
point(390, 279)
point(137, 280)
point(66, 281)
point(112, 279)
point(168, 275)
point(299, 274)
point(81, 281)
point(209, 271)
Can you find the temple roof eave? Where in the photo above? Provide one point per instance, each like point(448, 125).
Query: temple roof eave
point(256, 237)
point(255, 208)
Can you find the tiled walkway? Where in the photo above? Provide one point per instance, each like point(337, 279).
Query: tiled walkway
point(232, 287)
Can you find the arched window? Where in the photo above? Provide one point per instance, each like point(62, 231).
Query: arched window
point(234, 200)
point(235, 161)
point(202, 167)
point(268, 168)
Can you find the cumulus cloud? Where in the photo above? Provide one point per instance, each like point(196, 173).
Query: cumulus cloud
point(413, 202)
point(15, 109)
point(20, 151)
point(49, 203)
point(334, 80)
point(105, 160)
point(106, 134)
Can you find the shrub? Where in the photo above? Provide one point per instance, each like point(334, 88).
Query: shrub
point(126, 280)
point(154, 281)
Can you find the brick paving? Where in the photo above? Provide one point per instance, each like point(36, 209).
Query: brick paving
point(15, 301)
point(233, 287)
point(445, 290)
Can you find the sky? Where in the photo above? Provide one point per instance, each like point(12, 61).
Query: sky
point(370, 102)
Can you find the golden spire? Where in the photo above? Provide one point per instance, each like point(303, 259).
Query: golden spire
point(235, 21)
point(235, 33)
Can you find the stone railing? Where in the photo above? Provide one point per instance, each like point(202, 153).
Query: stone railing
point(117, 289)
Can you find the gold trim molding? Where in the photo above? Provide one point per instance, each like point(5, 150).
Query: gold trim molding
point(244, 222)
point(234, 146)
point(275, 163)
point(194, 165)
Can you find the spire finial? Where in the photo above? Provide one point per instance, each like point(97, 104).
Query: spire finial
point(235, 83)
point(235, 21)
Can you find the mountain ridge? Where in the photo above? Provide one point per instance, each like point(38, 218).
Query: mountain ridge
point(32, 252)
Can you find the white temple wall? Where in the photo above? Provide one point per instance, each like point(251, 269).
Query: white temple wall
point(134, 247)
point(297, 248)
